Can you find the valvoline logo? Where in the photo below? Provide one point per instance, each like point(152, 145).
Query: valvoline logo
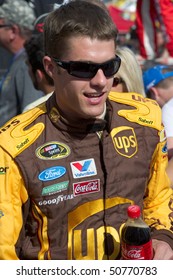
point(52, 173)
point(83, 168)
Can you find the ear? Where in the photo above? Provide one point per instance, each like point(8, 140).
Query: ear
point(14, 31)
point(39, 75)
point(154, 93)
point(49, 66)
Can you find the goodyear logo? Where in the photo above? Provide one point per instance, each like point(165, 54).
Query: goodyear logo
point(124, 140)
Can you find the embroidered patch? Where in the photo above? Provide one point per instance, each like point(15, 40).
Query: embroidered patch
point(145, 121)
point(52, 151)
point(52, 173)
point(22, 144)
point(56, 200)
point(55, 188)
point(86, 187)
point(124, 140)
point(83, 168)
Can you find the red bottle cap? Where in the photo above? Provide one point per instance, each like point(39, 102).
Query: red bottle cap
point(134, 211)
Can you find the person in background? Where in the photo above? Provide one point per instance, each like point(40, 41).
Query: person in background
point(99, 3)
point(16, 87)
point(129, 76)
point(43, 6)
point(41, 80)
point(154, 26)
point(71, 162)
point(158, 82)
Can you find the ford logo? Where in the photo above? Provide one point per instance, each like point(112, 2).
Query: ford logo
point(52, 173)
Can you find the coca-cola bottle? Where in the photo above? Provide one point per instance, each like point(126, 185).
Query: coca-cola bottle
point(136, 243)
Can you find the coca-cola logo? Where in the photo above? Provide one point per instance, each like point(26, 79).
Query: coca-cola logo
point(86, 187)
point(132, 253)
point(142, 252)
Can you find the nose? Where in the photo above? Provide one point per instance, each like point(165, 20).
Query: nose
point(99, 79)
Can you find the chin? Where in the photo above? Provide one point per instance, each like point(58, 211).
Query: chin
point(96, 115)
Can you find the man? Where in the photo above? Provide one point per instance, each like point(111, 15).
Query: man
point(69, 166)
point(41, 80)
point(158, 82)
point(16, 88)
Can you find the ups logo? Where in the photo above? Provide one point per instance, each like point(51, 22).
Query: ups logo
point(124, 140)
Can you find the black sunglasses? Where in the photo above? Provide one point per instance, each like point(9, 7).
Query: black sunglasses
point(4, 25)
point(117, 81)
point(88, 70)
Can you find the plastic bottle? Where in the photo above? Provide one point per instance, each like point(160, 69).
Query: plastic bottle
point(136, 243)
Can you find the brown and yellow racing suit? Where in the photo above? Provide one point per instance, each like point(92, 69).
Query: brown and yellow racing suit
point(65, 187)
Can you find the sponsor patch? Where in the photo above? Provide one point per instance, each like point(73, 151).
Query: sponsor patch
point(56, 200)
point(22, 144)
point(55, 188)
point(52, 173)
point(86, 187)
point(124, 140)
point(52, 151)
point(3, 170)
point(145, 121)
point(83, 168)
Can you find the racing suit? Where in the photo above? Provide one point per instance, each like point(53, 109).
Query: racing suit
point(65, 187)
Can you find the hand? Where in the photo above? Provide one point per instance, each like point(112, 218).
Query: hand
point(162, 250)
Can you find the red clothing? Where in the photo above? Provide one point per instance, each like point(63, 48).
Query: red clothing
point(147, 12)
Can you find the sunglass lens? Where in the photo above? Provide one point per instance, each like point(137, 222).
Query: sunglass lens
point(88, 70)
point(81, 70)
point(110, 68)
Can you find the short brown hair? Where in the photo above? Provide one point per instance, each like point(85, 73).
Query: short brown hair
point(76, 19)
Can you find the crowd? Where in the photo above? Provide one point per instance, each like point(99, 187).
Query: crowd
point(85, 131)
point(16, 87)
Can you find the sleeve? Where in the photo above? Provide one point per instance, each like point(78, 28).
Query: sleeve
point(12, 196)
point(158, 201)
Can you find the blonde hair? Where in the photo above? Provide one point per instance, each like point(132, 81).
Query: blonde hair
point(130, 71)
